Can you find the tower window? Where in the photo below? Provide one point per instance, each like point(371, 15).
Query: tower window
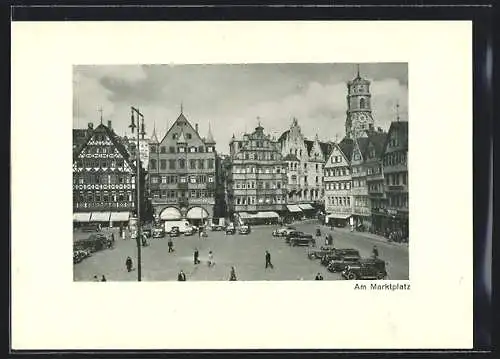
point(362, 103)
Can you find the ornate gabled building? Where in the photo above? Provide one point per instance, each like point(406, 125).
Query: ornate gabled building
point(104, 179)
point(359, 113)
point(257, 179)
point(361, 212)
point(337, 181)
point(375, 174)
point(305, 161)
point(182, 173)
point(394, 217)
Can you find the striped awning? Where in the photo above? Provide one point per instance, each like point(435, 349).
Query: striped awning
point(170, 214)
point(81, 217)
point(100, 216)
point(267, 215)
point(293, 208)
point(306, 206)
point(119, 216)
point(197, 213)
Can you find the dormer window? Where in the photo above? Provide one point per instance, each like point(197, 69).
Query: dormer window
point(188, 136)
point(175, 136)
point(210, 149)
point(192, 149)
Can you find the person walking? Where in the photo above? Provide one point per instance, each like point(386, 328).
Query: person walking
point(128, 264)
point(170, 245)
point(196, 256)
point(181, 277)
point(96, 279)
point(318, 277)
point(210, 259)
point(103, 278)
point(375, 252)
point(232, 276)
point(268, 260)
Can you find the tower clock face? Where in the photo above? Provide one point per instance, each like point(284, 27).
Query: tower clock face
point(362, 117)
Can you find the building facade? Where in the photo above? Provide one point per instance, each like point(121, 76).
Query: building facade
point(338, 181)
point(305, 161)
point(359, 113)
point(395, 168)
point(375, 176)
point(104, 179)
point(182, 173)
point(361, 211)
point(257, 178)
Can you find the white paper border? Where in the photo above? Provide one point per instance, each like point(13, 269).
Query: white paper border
point(49, 311)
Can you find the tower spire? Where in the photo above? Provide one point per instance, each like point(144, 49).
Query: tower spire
point(182, 108)
point(357, 75)
point(100, 111)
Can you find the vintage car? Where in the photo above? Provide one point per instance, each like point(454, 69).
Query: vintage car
point(174, 232)
point(339, 253)
point(244, 229)
point(158, 232)
point(230, 229)
point(303, 240)
point(319, 253)
point(147, 232)
point(366, 268)
point(339, 264)
point(293, 236)
point(189, 231)
point(283, 231)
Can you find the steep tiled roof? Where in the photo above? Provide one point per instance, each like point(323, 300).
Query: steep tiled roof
point(290, 157)
point(283, 136)
point(378, 140)
point(402, 128)
point(346, 146)
point(326, 148)
point(309, 146)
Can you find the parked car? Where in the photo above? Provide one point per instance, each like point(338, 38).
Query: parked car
point(319, 253)
point(189, 231)
point(147, 232)
point(283, 231)
point(158, 232)
point(303, 240)
point(230, 229)
point(288, 229)
point(174, 232)
point(296, 234)
point(366, 268)
point(244, 229)
point(339, 264)
point(339, 253)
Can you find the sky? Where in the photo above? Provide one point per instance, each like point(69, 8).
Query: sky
point(233, 98)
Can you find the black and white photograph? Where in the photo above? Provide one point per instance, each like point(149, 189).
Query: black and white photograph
point(240, 172)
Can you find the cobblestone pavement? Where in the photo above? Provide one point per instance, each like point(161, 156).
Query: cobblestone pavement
point(245, 252)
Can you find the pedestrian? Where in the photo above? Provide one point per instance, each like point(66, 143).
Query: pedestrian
point(232, 276)
point(96, 279)
point(103, 279)
point(326, 240)
point(268, 260)
point(128, 263)
point(330, 239)
point(375, 252)
point(196, 256)
point(210, 259)
point(113, 238)
point(170, 245)
point(318, 277)
point(181, 277)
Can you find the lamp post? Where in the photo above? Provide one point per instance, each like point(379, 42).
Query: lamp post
point(140, 130)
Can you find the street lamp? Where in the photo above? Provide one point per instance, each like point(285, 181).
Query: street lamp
point(140, 131)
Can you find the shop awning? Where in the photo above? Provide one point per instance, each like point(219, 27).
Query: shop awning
point(119, 216)
point(267, 215)
point(338, 216)
point(197, 213)
point(81, 217)
point(293, 208)
point(244, 215)
point(306, 206)
point(100, 216)
point(170, 214)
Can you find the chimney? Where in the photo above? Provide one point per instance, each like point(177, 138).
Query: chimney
point(196, 127)
point(91, 126)
point(109, 124)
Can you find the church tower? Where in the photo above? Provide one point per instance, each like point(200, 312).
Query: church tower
point(359, 113)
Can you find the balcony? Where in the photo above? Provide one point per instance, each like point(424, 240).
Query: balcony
point(374, 177)
point(183, 186)
point(396, 188)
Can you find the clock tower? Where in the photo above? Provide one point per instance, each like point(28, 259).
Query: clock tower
point(359, 113)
